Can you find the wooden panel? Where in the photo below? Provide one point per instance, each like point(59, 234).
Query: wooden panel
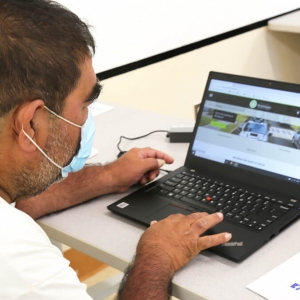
point(85, 266)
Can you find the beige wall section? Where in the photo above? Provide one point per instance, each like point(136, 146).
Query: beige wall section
point(174, 85)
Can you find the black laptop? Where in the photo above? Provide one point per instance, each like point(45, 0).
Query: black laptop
point(243, 160)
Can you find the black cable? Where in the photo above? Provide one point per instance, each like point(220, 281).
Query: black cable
point(135, 138)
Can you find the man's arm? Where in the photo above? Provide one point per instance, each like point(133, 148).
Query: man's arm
point(163, 249)
point(148, 277)
point(136, 166)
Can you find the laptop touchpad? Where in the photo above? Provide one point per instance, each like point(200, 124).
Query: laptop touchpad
point(165, 212)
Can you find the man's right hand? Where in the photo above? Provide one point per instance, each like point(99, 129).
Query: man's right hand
point(179, 239)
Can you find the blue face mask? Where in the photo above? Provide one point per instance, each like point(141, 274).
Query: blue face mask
point(86, 143)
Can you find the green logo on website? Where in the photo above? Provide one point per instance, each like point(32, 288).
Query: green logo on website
point(253, 104)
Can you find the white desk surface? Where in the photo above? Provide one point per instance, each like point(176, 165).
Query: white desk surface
point(287, 23)
point(132, 30)
point(112, 239)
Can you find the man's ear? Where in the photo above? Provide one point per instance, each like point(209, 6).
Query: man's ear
point(32, 118)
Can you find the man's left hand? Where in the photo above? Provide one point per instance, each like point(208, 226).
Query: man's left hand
point(136, 166)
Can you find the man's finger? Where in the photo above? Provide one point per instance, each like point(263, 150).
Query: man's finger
point(152, 153)
point(208, 241)
point(206, 222)
point(196, 216)
point(153, 174)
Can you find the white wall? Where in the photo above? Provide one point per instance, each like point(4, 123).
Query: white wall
point(131, 30)
point(127, 31)
point(174, 85)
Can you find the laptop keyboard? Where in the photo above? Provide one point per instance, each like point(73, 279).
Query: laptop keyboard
point(247, 208)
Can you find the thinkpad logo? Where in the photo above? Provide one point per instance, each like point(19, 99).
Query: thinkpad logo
point(296, 286)
point(233, 244)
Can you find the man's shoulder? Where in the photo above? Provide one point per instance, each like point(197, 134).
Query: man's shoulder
point(28, 259)
point(16, 225)
point(23, 240)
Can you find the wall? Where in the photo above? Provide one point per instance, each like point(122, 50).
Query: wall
point(173, 86)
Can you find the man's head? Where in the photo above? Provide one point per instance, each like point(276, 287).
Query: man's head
point(45, 60)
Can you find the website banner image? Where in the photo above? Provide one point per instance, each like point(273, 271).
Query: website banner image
point(252, 126)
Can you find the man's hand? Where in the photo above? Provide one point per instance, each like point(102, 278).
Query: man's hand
point(136, 166)
point(163, 249)
point(179, 239)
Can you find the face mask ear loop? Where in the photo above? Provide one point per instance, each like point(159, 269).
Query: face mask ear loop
point(40, 148)
point(52, 112)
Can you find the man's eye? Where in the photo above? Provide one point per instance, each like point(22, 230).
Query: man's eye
point(95, 97)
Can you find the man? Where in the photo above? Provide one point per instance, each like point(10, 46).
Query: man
point(46, 84)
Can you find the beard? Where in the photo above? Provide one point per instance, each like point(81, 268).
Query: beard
point(29, 182)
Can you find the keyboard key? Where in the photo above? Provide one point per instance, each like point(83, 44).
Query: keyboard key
point(179, 186)
point(243, 222)
point(247, 220)
point(254, 210)
point(252, 223)
point(237, 217)
point(179, 176)
point(170, 183)
point(219, 205)
point(200, 193)
point(243, 212)
point(229, 215)
point(170, 194)
point(197, 186)
point(284, 208)
point(166, 187)
point(222, 200)
point(163, 192)
point(174, 179)
point(258, 227)
point(177, 197)
point(265, 208)
point(190, 195)
point(226, 208)
point(234, 211)
point(212, 202)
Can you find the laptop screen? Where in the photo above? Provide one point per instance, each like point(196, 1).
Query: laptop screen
point(250, 127)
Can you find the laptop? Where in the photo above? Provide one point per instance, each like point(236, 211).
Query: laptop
point(243, 160)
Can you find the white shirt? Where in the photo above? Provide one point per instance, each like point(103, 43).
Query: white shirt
point(31, 268)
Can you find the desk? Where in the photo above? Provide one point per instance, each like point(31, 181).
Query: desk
point(110, 238)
